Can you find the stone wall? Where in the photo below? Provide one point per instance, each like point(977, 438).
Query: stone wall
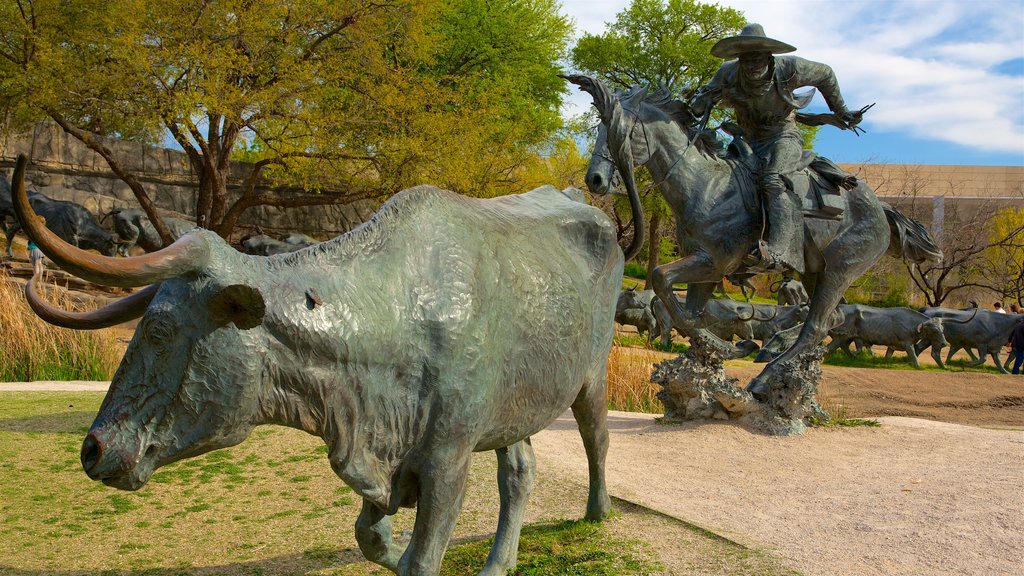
point(64, 168)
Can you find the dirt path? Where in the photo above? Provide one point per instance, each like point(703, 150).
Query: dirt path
point(911, 497)
point(976, 398)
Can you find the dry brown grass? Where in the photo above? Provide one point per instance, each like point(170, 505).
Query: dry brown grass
point(629, 379)
point(35, 350)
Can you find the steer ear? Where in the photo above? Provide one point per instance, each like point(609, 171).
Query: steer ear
point(243, 305)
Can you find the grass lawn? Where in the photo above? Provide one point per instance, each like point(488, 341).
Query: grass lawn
point(272, 506)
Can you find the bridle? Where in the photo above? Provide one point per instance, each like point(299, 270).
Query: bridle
point(647, 144)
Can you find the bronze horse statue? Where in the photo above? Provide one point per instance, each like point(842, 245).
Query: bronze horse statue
point(714, 199)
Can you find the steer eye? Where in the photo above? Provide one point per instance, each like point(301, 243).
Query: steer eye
point(158, 330)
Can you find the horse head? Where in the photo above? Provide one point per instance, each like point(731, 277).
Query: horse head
point(614, 149)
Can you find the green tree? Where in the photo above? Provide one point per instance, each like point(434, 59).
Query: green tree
point(658, 43)
point(338, 99)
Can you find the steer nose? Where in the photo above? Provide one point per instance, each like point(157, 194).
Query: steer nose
point(92, 450)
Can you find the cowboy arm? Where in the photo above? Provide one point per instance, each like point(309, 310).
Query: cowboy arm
point(708, 95)
point(823, 78)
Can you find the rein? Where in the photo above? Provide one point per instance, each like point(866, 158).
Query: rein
point(647, 144)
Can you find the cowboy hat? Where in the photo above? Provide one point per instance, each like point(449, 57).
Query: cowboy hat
point(750, 39)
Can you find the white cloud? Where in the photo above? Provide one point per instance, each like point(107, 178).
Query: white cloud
point(928, 64)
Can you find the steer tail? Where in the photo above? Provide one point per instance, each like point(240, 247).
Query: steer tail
point(909, 240)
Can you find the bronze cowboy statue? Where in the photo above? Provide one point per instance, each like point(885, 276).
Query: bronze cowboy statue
point(759, 87)
point(720, 217)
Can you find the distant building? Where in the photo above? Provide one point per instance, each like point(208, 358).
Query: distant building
point(930, 192)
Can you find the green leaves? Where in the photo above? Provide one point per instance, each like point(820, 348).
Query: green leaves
point(658, 43)
point(349, 97)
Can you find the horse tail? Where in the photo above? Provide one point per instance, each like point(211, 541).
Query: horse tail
point(909, 240)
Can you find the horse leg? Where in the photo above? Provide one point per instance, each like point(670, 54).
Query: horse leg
point(700, 277)
point(819, 321)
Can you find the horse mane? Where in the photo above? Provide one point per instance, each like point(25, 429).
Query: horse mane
point(661, 98)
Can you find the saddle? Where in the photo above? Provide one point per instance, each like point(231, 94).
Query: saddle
point(816, 180)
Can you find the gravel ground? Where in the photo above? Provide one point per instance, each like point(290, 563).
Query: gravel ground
point(911, 497)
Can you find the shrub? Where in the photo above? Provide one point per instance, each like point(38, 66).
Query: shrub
point(35, 350)
point(635, 270)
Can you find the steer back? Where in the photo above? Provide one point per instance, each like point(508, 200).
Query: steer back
point(973, 328)
point(444, 321)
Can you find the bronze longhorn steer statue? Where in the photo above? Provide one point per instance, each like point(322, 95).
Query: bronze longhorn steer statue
point(444, 326)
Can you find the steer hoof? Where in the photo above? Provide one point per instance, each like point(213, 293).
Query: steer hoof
point(746, 348)
point(765, 356)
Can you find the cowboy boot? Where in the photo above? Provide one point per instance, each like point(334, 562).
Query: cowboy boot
point(783, 250)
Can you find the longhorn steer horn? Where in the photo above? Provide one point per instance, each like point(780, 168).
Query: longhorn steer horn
point(962, 321)
point(122, 310)
point(190, 253)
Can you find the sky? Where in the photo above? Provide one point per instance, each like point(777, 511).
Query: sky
point(947, 76)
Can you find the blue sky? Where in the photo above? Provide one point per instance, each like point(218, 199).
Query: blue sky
point(947, 76)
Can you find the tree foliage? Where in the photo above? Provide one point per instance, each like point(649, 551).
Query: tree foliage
point(659, 43)
point(335, 100)
point(983, 250)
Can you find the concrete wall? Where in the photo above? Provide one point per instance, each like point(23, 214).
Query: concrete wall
point(64, 168)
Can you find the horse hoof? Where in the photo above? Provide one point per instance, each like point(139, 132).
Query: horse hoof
point(758, 388)
point(764, 356)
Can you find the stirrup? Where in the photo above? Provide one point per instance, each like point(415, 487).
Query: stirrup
point(763, 260)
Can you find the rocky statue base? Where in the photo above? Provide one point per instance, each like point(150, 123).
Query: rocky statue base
point(694, 387)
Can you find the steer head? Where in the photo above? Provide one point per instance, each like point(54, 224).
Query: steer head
point(931, 331)
point(187, 383)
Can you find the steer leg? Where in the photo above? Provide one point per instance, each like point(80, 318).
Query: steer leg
point(908, 345)
point(949, 354)
point(442, 485)
point(591, 412)
point(373, 532)
point(937, 356)
point(982, 354)
point(516, 472)
point(9, 234)
point(995, 358)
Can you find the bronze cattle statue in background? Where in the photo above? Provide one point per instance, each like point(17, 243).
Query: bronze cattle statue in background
point(444, 326)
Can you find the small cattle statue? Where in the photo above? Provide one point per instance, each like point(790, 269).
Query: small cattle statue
point(897, 328)
point(973, 329)
point(791, 292)
point(135, 229)
point(444, 326)
point(633, 308)
point(70, 221)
